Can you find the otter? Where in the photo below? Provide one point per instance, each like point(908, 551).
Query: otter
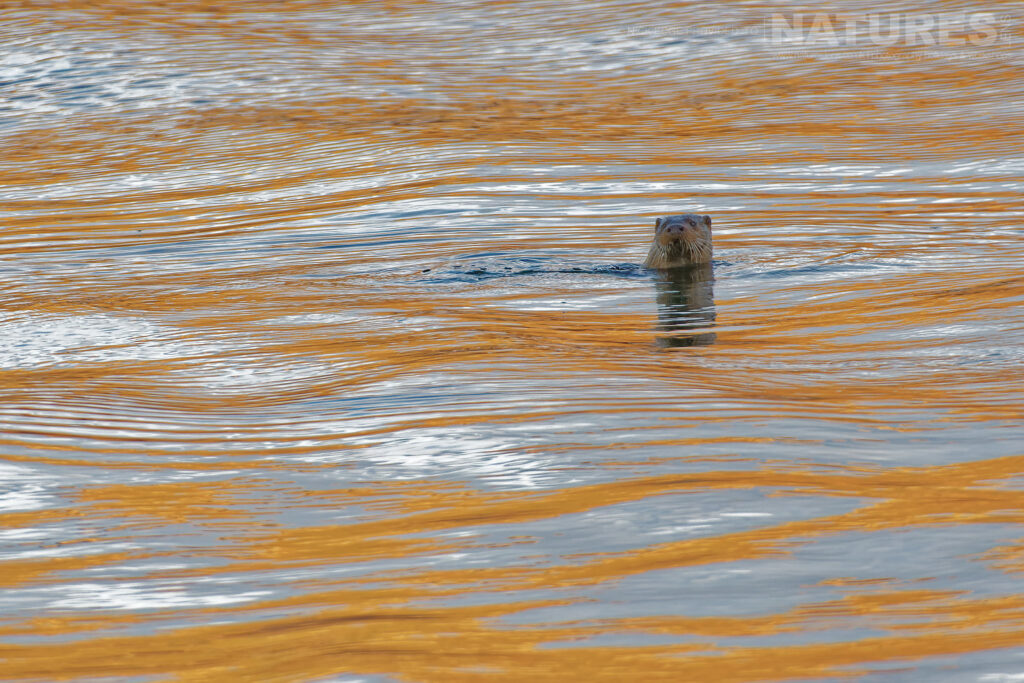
point(680, 240)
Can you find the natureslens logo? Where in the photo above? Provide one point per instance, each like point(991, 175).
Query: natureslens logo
point(944, 29)
point(956, 35)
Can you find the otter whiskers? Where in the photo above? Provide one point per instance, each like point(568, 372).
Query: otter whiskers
point(680, 240)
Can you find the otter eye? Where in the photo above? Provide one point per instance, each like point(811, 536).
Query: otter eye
point(690, 222)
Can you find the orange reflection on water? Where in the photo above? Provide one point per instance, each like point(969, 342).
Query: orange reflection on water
point(279, 276)
point(369, 627)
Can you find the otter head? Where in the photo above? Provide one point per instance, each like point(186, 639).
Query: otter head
point(680, 240)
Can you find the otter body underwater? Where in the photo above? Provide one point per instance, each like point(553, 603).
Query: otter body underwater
point(680, 240)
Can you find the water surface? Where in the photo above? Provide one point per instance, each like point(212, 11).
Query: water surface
point(326, 355)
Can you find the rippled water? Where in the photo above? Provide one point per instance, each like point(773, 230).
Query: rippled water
point(326, 354)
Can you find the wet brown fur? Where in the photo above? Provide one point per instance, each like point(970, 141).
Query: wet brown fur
point(680, 240)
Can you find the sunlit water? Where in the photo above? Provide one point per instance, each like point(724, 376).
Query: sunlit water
point(326, 354)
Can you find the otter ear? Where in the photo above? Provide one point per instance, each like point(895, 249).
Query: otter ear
point(707, 221)
point(657, 224)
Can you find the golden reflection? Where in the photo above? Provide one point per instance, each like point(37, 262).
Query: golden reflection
point(188, 262)
point(386, 623)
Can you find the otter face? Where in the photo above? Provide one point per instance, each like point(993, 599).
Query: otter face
point(680, 240)
point(683, 229)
